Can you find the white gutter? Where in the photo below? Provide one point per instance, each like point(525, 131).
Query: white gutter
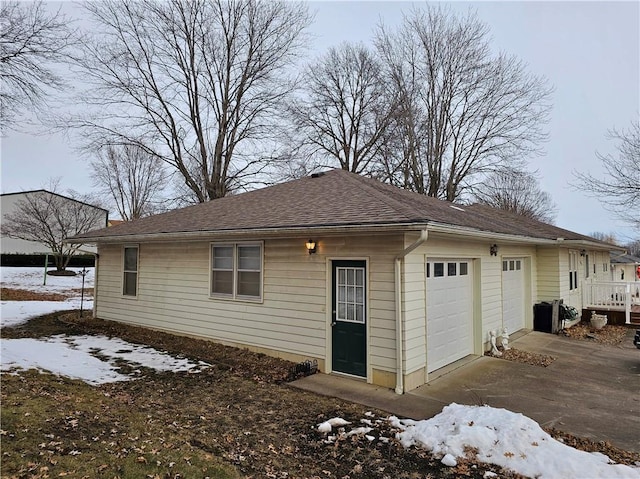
point(276, 232)
point(463, 231)
point(424, 234)
point(511, 238)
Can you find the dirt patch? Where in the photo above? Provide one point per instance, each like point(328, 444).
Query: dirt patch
point(16, 294)
point(11, 294)
point(534, 359)
point(241, 362)
point(615, 454)
point(609, 334)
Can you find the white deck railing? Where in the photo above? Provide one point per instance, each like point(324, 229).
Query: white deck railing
point(611, 295)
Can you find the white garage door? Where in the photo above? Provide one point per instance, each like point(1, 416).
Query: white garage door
point(449, 311)
point(513, 297)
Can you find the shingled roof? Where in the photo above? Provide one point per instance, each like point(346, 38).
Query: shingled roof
point(332, 200)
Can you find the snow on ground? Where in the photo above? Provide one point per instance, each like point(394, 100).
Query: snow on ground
point(13, 313)
point(499, 437)
point(32, 279)
point(89, 358)
point(75, 357)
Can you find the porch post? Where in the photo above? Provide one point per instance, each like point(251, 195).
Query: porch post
point(627, 304)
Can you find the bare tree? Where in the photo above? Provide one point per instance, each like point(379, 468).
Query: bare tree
point(343, 109)
point(132, 178)
point(606, 237)
point(619, 187)
point(633, 248)
point(31, 43)
point(196, 83)
point(463, 111)
point(516, 191)
point(49, 218)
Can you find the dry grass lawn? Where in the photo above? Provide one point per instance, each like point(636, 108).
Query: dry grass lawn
point(238, 418)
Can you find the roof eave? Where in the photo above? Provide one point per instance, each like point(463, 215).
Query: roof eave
point(250, 232)
point(511, 238)
point(280, 232)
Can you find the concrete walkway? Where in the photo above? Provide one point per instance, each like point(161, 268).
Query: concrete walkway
point(591, 390)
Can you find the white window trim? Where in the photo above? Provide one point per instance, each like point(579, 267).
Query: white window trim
point(124, 248)
point(574, 256)
point(235, 296)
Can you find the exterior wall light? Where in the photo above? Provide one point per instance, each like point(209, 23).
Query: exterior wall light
point(493, 250)
point(583, 252)
point(311, 246)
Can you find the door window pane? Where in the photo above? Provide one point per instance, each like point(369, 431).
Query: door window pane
point(342, 293)
point(464, 269)
point(350, 294)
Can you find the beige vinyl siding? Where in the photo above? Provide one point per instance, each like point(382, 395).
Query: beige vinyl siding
point(173, 295)
point(414, 310)
point(548, 277)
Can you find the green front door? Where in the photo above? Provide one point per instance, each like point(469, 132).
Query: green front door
point(349, 322)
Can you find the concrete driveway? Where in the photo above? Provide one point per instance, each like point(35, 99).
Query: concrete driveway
point(591, 390)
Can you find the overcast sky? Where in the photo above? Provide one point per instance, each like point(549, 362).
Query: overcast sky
point(589, 51)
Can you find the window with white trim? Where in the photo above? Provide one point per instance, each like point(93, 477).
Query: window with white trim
point(586, 266)
point(573, 270)
point(130, 271)
point(236, 270)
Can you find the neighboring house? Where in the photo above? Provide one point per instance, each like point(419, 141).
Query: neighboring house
point(625, 267)
point(371, 280)
point(9, 203)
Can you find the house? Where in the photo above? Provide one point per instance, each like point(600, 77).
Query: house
point(371, 280)
point(625, 267)
point(10, 202)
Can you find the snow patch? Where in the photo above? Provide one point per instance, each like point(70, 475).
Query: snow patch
point(507, 439)
point(74, 357)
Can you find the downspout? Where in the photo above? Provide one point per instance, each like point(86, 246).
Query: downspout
point(399, 339)
point(95, 285)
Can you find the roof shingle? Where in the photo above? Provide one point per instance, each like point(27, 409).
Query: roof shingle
point(334, 199)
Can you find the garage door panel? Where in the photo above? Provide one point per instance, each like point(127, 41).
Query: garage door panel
point(449, 311)
point(513, 294)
